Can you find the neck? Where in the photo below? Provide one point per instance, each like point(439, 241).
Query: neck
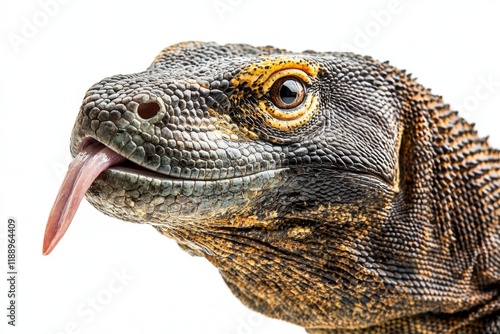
point(450, 178)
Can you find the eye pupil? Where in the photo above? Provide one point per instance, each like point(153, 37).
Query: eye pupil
point(287, 92)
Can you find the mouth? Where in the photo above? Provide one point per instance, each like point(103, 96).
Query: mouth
point(93, 159)
point(202, 197)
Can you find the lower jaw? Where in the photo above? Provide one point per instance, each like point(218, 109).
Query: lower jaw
point(153, 199)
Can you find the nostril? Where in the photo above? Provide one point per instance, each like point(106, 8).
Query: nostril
point(148, 110)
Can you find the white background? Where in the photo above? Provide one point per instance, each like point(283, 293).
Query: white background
point(450, 46)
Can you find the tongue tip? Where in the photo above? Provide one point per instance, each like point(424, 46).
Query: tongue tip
point(49, 241)
point(47, 247)
point(54, 231)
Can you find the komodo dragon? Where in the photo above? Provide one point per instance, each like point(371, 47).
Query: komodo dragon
point(331, 191)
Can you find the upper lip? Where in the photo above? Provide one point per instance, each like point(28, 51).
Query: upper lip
point(139, 169)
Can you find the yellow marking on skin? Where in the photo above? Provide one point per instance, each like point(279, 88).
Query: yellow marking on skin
point(299, 232)
point(259, 72)
point(225, 125)
point(261, 76)
point(302, 114)
point(291, 72)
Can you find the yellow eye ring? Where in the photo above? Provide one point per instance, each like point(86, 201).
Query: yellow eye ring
point(297, 101)
point(290, 106)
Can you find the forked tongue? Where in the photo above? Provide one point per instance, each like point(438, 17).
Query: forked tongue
point(82, 171)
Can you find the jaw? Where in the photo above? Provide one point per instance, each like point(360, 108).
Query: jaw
point(132, 193)
point(259, 230)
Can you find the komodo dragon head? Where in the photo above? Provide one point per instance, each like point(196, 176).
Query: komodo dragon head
point(330, 190)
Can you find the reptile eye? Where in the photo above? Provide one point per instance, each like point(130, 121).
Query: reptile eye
point(287, 92)
point(286, 101)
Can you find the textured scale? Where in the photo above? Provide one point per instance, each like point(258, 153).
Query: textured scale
point(371, 207)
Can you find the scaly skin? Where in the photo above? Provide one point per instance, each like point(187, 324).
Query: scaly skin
point(370, 207)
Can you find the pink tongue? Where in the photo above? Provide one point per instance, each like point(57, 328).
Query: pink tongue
point(82, 171)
